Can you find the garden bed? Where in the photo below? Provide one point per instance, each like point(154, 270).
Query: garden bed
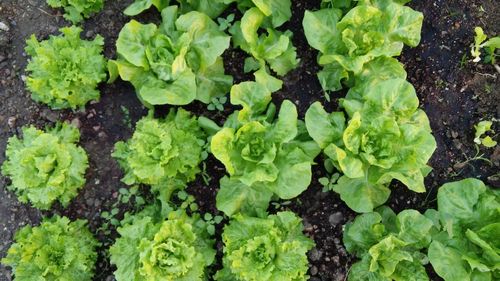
point(454, 92)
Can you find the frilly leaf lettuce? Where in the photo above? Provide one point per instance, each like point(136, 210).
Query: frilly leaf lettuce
point(46, 166)
point(211, 8)
point(389, 246)
point(261, 152)
point(177, 248)
point(164, 153)
point(468, 247)
point(386, 137)
point(64, 70)
point(76, 10)
point(56, 250)
point(175, 63)
point(272, 248)
point(372, 29)
point(271, 48)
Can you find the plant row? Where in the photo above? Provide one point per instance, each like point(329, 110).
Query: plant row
point(379, 134)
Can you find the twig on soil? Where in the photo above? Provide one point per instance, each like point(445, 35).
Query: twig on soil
point(488, 75)
point(497, 68)
point(45, 12)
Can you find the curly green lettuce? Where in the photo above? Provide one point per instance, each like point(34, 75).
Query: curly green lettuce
point(164, 153)
point(372, 29)
point(491, 46)
point(386, 137)
point(468, 248)
point(56, 250)
point(177, 248)
point(64, 70)
point(272, 248)
point(211, 8)
point(260, 152)
point(76, 10)
point(390, 247)
point(46, 166)
point(271, 48)
point(174, 63)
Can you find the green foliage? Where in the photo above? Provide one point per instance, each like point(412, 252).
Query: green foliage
point(211, 8)
point(479, 43)
point(175, 248)
point(386, 137)
point(272, 248)
point(264, 155)
point(482, 128)
point(164, 153)
point(372, 29)
point(271, 48)
point(217, 104)
point(57, 250)
point(76, 10)
point(390, 247)
point(460, 239)
point(46, 166)
point(468, 248)
point(174, 63)
point(65, 70)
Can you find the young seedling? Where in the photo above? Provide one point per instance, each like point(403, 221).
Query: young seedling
point(490, 46)
point(217, 104)
point(225, 23)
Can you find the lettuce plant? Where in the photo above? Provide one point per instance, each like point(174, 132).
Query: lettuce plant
point(177, 248)
point(480, 136)
point(271, 48)
point(64, 70)
point(265, 156)
point(164, 153)
point(76, 10)
point(46, 166)
point(56, 250)
point(479, 43)
point(174, 63)
point(390, 247)
point(468, 248)
point(271, 248)
point(374, 28)
point(211, 8)
point(386, 137)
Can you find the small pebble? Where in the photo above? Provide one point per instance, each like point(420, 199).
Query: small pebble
point(4, 26)
point(76, 122)
point(335, 218)
point(11, 122)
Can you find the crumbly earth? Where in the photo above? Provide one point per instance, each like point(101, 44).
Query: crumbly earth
point(455, 93)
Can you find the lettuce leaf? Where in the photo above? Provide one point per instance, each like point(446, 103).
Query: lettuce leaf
point(76, 10)
point(261, 152)
point(372, 29)
point(272, 48)
point(270, 248)
point(211, 8)
point(174, 63)
point(57, 249)
point(176, 247)
point(46, 166)
point(164, 153)
point(386, 137)
point(389, 246)
point(468, 247)
point(64, 70)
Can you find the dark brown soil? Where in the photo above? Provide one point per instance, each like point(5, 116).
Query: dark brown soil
point(455, 93)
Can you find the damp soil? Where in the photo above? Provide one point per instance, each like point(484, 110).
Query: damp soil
point(454, 92)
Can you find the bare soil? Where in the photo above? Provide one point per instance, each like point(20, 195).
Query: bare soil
point(455, 93)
